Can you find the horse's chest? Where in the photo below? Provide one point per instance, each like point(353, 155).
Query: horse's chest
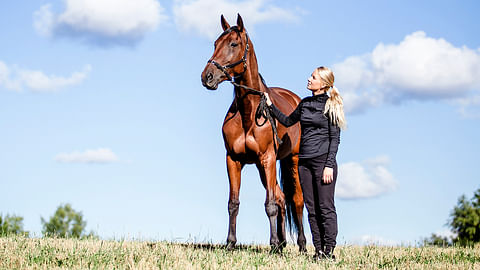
point(238, 140)
point(241, 144)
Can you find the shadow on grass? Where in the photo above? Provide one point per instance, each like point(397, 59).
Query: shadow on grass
point(212, 247)
point(252, 248)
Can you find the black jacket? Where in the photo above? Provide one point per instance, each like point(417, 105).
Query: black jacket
point(319, 135)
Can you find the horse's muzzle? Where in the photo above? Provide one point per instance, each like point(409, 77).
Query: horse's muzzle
point(208, 81)
point(211, 77)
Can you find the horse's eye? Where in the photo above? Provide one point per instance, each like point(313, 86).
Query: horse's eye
point(234, 44)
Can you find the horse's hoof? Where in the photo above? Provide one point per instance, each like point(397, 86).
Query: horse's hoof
point(230, 245)
point(276, 248)
point(302, 250)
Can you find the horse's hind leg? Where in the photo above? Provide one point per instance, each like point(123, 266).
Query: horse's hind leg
point(267, 168)
point(234, 169)
point(298, 203)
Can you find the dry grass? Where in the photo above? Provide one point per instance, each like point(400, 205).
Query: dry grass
point(50, 253)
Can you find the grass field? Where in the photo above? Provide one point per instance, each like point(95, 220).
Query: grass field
point(50, 253)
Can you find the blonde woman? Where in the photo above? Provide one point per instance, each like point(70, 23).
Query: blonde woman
point(321, 117)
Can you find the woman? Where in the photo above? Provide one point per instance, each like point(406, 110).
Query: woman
point(321, 117)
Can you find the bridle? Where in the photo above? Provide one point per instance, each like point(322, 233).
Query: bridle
point(232, 65)
point(262, 109)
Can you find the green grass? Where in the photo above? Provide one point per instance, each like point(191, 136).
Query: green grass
point(50, 253)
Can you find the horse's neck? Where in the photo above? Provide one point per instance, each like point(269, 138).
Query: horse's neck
point(247, 102)
point(251, 78)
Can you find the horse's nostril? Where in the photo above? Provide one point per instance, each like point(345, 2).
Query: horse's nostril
point(209, 76)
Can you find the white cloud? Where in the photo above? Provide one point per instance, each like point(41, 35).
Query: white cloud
point(370, 178)
point(469, 106)
point(43, 20)
point(203, 16)
point(39, 81)
point(17, 78)
point(6, 79)
point(100, 155)
point(104, 22)
point(418, 68)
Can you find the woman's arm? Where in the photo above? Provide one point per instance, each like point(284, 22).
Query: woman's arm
point(287, 121)
point(334, 138)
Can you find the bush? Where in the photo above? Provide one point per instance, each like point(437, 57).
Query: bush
point(66, 222)
point(11, 225)
point(438, 240)
point(465, 220)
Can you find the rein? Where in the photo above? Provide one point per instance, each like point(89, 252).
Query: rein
point(262, 109)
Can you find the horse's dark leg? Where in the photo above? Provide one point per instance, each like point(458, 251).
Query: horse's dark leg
point(301, 240)
point(267, 169)
point(282, 236)
point(234, 169)
point(298, 201)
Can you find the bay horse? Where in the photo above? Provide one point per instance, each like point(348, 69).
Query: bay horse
point(251, 135)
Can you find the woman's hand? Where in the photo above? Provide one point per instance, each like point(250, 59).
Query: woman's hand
point(327, 175)
point(269, 102)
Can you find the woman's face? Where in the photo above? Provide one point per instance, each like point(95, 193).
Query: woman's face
point(314, 82)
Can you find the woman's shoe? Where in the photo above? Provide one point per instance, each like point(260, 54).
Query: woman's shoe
point(328, 253)
point(319, 255)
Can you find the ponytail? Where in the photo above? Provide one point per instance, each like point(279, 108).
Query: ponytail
point(334, 104)
point(334, 108)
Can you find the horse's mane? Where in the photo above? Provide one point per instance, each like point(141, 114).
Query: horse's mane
point(263, 80)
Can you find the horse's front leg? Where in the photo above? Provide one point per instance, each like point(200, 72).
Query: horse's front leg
point(234, 169)
point(267, 169)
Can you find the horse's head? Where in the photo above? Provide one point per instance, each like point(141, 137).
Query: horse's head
point(229, 56)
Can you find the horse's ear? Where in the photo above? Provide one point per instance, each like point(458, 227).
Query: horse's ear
point(224, 22)
point(239, 22)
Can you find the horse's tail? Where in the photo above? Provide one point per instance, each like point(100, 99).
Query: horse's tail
point(287, 181)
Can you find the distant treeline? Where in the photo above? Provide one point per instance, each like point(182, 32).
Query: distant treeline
point(464, 222)
point(65, 222)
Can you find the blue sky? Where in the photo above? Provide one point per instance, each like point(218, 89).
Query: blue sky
point(101, 106)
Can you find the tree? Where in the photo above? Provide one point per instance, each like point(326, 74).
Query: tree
point(465, 220)
point(11, 225)
point(66, 222)
point(438, 240)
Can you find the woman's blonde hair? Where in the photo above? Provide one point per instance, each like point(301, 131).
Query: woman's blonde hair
point(334, 105)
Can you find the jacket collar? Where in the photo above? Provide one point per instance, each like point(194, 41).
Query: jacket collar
point(321, 97)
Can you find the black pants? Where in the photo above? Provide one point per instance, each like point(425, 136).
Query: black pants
point(319, 201)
